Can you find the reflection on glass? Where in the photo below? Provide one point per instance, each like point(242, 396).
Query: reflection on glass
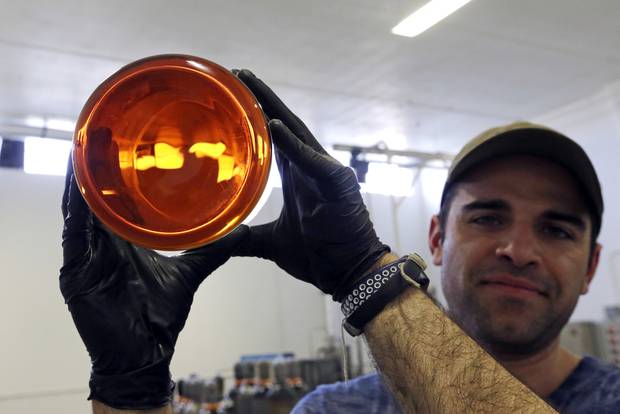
point(169, 156)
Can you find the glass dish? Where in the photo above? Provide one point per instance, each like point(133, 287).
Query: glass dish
point(172, 152)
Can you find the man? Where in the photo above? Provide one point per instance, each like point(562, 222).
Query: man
point(516, 239)
point(514, 260)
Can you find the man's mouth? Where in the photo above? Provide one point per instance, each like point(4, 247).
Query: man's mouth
point(513, 285)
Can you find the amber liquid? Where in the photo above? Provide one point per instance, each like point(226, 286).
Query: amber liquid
point(171, 156)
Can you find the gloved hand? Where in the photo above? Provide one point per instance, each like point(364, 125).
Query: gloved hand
point(324, 235)
point(129, 304)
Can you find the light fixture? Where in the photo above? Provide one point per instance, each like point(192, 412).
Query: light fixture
point(46, 155)
point(359, 165)
point(426, 16)
point(60, 124)
point(389, 179)
point(381, 170)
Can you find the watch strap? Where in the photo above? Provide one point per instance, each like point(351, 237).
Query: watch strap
point(378, 289)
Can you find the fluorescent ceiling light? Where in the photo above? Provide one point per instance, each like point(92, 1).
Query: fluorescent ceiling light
point(426, 16)
point(389, 179)
point(46, 156)
point(60, 124)
point(35, 122)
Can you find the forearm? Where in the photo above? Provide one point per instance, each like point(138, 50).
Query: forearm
point(432, 366)
point(101, 408)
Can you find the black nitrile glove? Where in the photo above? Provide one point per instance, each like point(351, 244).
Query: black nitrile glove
point(129, 304)
point(324, 235)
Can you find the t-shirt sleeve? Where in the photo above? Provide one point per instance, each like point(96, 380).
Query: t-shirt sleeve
point(316, 402)
point(363, 395)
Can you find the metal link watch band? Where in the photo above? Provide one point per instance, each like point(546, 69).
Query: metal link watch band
point(380, 288)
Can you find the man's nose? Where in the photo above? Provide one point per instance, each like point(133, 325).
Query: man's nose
point(520, 247)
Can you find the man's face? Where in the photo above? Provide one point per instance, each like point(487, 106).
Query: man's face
point(515, 253)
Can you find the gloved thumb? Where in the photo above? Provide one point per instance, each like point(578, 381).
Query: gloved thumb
point(204, 260)
point(258, 242)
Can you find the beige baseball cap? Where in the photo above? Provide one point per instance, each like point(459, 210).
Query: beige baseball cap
point(524, 138)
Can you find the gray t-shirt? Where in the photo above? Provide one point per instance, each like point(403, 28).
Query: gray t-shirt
point(592, 388)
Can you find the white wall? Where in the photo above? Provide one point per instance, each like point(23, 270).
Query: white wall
point(248, 306)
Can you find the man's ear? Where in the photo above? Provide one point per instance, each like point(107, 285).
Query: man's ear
point(435, 242)
point(592, 265)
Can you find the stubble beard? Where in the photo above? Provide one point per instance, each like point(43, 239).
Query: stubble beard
point(508, 331)
point(507, 327)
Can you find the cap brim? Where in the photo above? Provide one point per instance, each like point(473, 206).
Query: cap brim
point(533, 141)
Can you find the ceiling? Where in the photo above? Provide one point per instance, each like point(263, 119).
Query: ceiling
point(334, 62)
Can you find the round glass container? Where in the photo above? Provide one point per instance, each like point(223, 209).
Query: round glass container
point(172, 152)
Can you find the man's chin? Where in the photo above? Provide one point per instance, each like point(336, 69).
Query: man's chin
point(517, 338)
point(505, 350)
point(506, 325)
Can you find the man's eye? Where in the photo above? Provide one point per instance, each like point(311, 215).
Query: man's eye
point(487, 220)
point(558, 232)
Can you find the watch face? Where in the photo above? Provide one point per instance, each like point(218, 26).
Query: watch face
point(172, 152)
point(412, 270)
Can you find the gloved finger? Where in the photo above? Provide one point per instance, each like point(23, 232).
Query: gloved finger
point(78, 220)
point(258, 242)
point(65, 194)
point(311, 162)
point(270, 102)
point(274, 108)
point(202, 261)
